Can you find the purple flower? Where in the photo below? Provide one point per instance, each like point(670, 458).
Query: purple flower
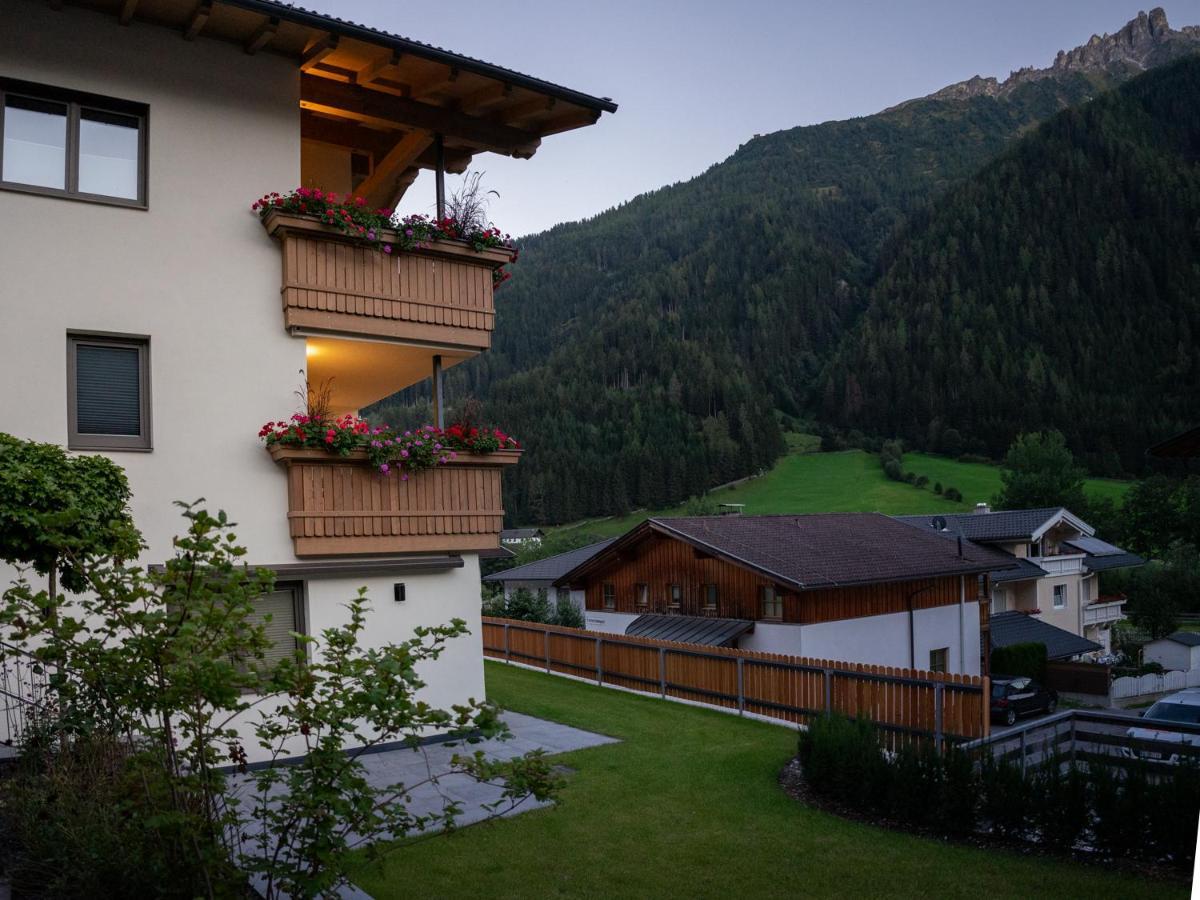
point(404, 454)
point(404, 476)
point(437, 446)
point(384, 468)
point(387, 248)
point(408, 231)
point(376, 444)
point(370, 235)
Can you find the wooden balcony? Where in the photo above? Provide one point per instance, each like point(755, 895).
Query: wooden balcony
point(343, 506)
point(439, 296)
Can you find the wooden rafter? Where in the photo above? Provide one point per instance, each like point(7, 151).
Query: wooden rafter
point(371, 72)
point(342, 133)
point(372, 107)
point(526, 109)
point(380, 186)
point(434, 83)
point(262, 36)
point(403, 183)
point(198, 20)
point(128, 8)
point(318, 50)
point(495, 94)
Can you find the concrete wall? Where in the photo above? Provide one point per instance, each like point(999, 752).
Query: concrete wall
point(198, 274)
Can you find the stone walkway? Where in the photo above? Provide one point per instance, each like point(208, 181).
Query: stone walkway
point(409, 766)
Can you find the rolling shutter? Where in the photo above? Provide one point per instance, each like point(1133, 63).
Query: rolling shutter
point(281, 606)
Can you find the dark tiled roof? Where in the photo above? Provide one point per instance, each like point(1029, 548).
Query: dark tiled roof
point(690, 629)
point(1187, 638)
point(1120, 560)
point(828, 550)
point(1181, 446)
point(552, 567)
point(1002, 525)
point(301, 16)
point(1024, 570)
point(519, 534)
point(1008, 628)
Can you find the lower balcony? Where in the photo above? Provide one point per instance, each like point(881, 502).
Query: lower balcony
point(1104, 610)
point(343, 506)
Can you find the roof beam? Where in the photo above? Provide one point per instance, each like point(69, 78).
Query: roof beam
point(371, 107)
point(518, 112)
point(403, 183)
point(198, 20)
point(494, 94)
point(342, 133)
point(433, 84)
point(371, 72)
point(318, 50)
point(128, 8)
point(262, 36)
point(380, 186)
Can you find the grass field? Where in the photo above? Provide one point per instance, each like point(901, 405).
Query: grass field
point(853, 481)
point(688, 805)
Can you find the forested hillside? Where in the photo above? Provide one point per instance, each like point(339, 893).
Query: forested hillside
point(649, 353)
point(1060, 287)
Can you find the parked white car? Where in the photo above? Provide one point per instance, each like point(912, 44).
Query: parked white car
point(1182, 707)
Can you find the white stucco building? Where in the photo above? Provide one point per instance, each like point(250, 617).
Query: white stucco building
point(142, 300)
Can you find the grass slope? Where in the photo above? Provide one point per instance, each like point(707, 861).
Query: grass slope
point(853, 481)
point(688, 805)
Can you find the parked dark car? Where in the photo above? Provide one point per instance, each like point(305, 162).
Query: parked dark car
point(1016, 695)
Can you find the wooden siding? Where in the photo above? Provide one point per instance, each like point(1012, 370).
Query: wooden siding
point(660, 561)
point(439, 295)
point(344, 506)
point(904, 702)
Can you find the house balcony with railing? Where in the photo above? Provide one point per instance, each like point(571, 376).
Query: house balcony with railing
point(1060, 564)
point(1104, 610)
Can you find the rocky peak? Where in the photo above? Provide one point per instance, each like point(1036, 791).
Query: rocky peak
point(1145, 42)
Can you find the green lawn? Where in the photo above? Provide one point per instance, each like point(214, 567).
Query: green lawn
point(688, 805)
point(853, 481)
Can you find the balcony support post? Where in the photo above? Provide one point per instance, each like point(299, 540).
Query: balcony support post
point(439, 172)
point(439, 384)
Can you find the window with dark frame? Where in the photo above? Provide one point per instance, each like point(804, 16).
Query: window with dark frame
point(284, 607)
point(70, 144)
point(1060, 596)
point(676, 595)
point(710, 596)
point(108, 392)
point(770, 603)
point(610, 596)
point(939, 659)
point(642, 593)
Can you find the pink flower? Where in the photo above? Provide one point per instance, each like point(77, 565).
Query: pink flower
point(384, 468)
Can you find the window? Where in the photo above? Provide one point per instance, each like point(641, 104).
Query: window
point(72, 145)
point(1060, 596)
point(1034, 549)
point(676, 595)
point(642, 592)
point(285, 606)
point(770, 603)
point(108, 392)
point(938, 659)
point(610, 596)
point(563, 595)
point(710, 596)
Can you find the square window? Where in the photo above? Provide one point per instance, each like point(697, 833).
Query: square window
point(109, 148)
point(939, 659)
point(710, 596)
point(108, 392)
point(676, 595)
point(281, 613)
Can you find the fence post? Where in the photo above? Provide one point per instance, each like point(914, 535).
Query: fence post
point(599, 663)
point(741, 684)
point(662, 671)
point(546, 635)
point(938, 705)
point(828, 692)
point(1072, 738)
point(507, 652)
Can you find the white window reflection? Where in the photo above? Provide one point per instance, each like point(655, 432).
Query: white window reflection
point(108, 154)
point(35, 142)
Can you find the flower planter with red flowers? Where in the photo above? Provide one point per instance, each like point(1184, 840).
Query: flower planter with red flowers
point(350, 271)
point(420, 491)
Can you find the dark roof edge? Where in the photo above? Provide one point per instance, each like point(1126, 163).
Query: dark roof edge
point(417, 48)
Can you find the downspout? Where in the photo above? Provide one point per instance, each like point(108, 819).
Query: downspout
point(962, 624)
point(912, 628)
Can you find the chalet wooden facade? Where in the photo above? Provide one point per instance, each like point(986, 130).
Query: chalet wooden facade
point(859, 587)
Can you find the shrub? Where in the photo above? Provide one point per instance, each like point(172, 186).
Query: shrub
point(1060, 808)
point(953, 493)
point(842, 759)
point(567, 614)
point(1027, 659)
point(1121, 818)
point(937, 487)
point(910, 477)
point(958, 814)
point(921, 481)
point(916, 785)
point(893, 470)
point(1175, 802)
point(527, 605)
point(1005, 797)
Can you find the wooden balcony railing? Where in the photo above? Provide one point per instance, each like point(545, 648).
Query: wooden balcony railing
point(439, 295)
point(343, 506)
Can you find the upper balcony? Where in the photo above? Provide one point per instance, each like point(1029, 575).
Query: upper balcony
point(1060, 564)
point(1104, 610)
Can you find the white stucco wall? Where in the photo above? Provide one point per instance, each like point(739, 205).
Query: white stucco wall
point(1172, 656)
point(577, 597)
point(199, 275)
point(610, 622)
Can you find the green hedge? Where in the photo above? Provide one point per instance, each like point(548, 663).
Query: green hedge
point(1020, 659)
point(1119, 811)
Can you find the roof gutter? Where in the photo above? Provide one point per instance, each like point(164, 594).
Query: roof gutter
point(416, 48)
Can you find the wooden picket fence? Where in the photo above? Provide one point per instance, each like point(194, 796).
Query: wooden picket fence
point(899, 701)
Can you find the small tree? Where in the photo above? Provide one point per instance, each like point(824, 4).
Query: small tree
point(1162, 590)
point(1038, 471)
point(528, 606)
point(567, 614)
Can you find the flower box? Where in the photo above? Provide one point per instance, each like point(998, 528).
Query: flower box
point(440, 293)
point(343, 505)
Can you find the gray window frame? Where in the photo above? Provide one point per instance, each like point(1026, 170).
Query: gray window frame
point(299, 591)
point(143, 441)
point(608, 595)
point(75, 102)
point(945, 654)
point(776, 601)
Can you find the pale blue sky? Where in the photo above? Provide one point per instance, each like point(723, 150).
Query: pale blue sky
point(695, 80)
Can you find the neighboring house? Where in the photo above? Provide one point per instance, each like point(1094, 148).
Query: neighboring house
point(540, 576)
point(858, 587)
point(142, 298)
point(1057, 561)
point(1176, 652)
point(1012, 627)
point(515, 537)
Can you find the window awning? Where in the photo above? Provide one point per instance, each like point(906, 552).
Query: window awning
point(690, 629)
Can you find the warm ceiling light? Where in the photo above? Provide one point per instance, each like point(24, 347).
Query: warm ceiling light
point(310, 349)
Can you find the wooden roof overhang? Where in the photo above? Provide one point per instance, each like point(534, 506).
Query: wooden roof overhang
point(410, 105)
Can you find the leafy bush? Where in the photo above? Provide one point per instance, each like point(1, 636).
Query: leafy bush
point(953, 493)
point(527, 605)
point(1004, 797)
point(921, 481)
point(893, 470)
point(843, 759)
point(937, 487)
point(567, 614)
point(1061, 811)
point(1027, 659)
